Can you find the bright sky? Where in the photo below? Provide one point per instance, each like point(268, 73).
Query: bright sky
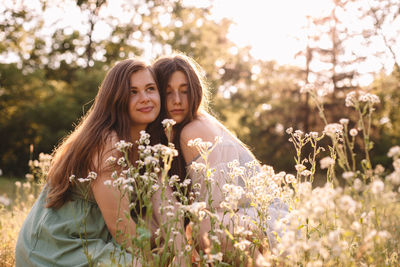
point(270, 27)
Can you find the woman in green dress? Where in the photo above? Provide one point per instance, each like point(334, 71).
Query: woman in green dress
point(70, 216)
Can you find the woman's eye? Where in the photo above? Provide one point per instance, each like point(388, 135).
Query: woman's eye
point(151, 88)
point(133, 92)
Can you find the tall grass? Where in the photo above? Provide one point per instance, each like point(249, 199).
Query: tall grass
point(355, 224)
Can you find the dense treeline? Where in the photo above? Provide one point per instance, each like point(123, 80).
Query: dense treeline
point(50, 70)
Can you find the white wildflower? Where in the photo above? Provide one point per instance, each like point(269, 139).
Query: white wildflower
point(290, 178)
point(188, 248)
point(353, 132)
point(394, 152)
point(155, 187)
point(351, 99)
point(18, 184)
point(289, 130)
point(344, 121)
point(107, 182)
point(377, 186)
point(333, 129)
point(168, 123)
point(242, 245)
point(92, 175)
point(347, 175)
point(122, 145)
point(326, 162)
point(29, 177)
point(384, 120)
point(111, 160)
point(369, 98)
point(71, 178)
point(5, 201)
point(300, 167)
point(314, 135)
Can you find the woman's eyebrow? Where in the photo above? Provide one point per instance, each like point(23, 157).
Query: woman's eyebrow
point(147, 85)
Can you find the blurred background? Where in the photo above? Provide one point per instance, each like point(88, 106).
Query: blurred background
point(256, 54)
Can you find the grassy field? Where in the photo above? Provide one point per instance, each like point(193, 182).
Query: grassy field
point(7, 186)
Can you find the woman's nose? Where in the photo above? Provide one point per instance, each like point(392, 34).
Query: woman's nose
point(177, 98)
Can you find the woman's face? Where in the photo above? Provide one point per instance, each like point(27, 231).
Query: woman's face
point(177, 97)
point(144, 103)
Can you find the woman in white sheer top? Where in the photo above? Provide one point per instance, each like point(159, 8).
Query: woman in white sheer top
point(182, 94)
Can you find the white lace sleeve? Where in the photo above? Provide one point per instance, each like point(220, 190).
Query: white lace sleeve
point(218, 160)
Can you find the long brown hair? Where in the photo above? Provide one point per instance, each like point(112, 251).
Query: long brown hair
point(74, 156)
point(163, 68)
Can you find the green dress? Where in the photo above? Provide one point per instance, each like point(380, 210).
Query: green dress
point(52, 237)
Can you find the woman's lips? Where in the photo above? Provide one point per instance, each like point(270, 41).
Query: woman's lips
point(145, 109)
point(176, 111)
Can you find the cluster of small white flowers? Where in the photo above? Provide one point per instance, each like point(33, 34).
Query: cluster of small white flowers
point(333, 129)
point(326, 162)
point(377, 186)
point(144, 138)
point(195, 207)
point(243, 244)
point(122, 145)
point(369, 98)
point(351, 99)
point(394, 152)
point(233, 194)
point(5, 201)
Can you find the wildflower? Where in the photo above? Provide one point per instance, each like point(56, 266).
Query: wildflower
point(314, 135)
point(186, 182)
point(368, 98)
point(4, 201)
point(326, 162)
point(168, 123)
point(218, 256)
point(29, 177)
point(111, 160)
point(384, 120)
point(379, 169)
point(351, 99)
point(72, 178)
point(347, 175)
point(122, 145)
point(188, 248)
point(107, 182)
point(18, 184)
point(333, 129)
point(353, 132)
point(300, 167)
point(92, 175)
point(155, 187)
point(344, 121)
point(121, 161)
point(356, 226)
point(157, 232)
point(290, 178)
point(242, 244)
point(358, 184)
point(306, 173)
point(377, 186)
point(1, 172)
point(394, 152)
point(289, 130)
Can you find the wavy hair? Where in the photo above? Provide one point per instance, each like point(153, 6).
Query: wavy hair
point(163, 68)
point(109, 113)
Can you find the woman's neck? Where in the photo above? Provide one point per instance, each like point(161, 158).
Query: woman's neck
point(135, 131)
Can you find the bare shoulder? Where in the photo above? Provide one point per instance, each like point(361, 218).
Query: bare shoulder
point(198, 129)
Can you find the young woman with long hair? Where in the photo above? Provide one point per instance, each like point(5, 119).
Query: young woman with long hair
point(183, 99)
point(127, 102)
